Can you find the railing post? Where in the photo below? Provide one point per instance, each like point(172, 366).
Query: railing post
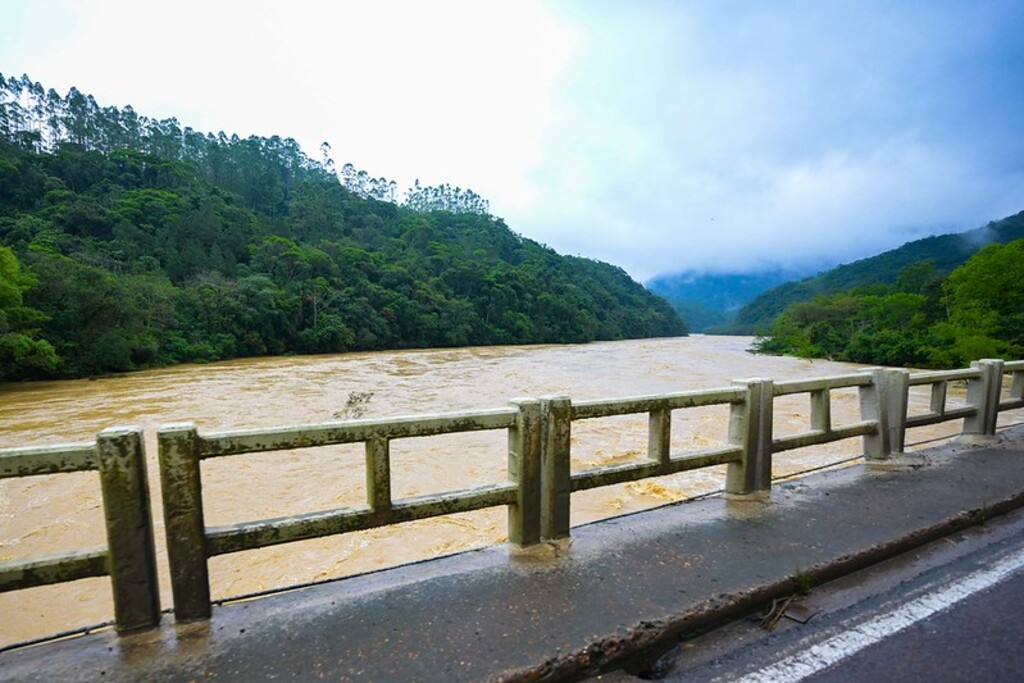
point(183, 520)
point(821, 410)
point(750, 426)
point(937, 399)
point(378, 474)
point(659, 436)
point(132, 562)
point(556, 475)
point(524, 457)
point(885, 402)
point(983, 394)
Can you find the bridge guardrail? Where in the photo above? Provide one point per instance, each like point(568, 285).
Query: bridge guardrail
point(558, 414)
point(129, 558)
point(1016, 397)
point(190, 543)
point(537, 495)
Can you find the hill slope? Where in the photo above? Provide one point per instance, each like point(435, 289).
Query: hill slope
point(718, 291)
point(946, 252)
point(127, 242)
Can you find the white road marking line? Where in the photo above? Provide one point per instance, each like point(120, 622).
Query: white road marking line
point(839, 647)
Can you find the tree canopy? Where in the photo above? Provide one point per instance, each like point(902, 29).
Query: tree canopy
point(944, 252)
point(922, 320)
point(128, 242)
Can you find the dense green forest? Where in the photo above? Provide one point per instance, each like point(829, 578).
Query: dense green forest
point(921, 320)
point(128, 242)
point(945, 252)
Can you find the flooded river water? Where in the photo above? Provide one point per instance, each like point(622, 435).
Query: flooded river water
point(44, 515)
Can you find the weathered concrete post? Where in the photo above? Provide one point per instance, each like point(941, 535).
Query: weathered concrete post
point(821, 411)
point(524, 458)
point(378, 474)
point(132, 560)
point(897, 389)
point(659, 436)
point(556, 482)
point(750, 426)
point(983, 394)
point(937, 399)
point(885, 402)
point(183, 520)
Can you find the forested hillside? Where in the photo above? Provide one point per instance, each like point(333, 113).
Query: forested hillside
point(944, 252)
point(921, 320)
point(128, 242)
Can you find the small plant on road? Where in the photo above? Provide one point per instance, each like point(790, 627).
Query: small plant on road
point(802, 581)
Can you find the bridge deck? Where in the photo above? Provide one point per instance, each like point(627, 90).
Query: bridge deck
point(621, 585)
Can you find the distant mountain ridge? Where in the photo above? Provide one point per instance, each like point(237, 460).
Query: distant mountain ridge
point(946, 252)
point(719, 291)
point(706, 300)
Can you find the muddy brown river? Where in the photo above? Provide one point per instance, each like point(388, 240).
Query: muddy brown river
point(50, 514)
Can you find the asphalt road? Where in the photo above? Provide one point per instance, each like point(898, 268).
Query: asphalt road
point(978, 639)
point(952, 611)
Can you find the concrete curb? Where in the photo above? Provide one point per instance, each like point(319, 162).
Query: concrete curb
point(648, 640)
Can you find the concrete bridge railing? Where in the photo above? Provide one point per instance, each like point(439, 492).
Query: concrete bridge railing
point(190, 543)
point(538, 494)
point(129, 558)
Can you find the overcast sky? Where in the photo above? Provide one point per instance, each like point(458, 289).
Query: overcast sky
point(659, 136)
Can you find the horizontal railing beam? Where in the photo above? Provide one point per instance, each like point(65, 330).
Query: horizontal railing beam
point(708, 458)
point(919, 378)
point(818, 437)
point(614, 474)
point(261, 534)
point(935, 418)
point(30, 462)
point(356, 431)
point(585, 410)
point(80, 564)
point(803, 386)
point(635, 471)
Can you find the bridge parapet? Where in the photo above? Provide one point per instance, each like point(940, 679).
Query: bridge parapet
point(130, 558)
point(538, 493)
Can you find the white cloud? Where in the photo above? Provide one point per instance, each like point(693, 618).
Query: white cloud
point(732, 137)
point(657, 136)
